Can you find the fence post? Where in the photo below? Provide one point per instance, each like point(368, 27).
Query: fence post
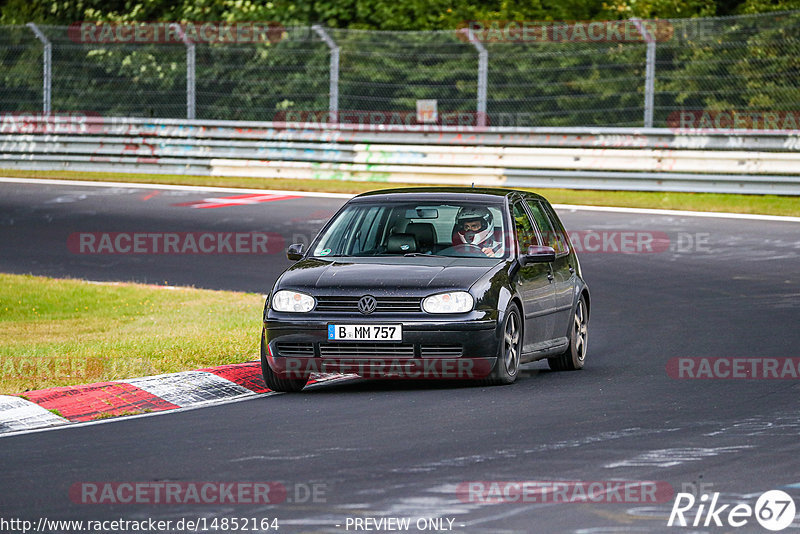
point(190, 81)
point(483, 74)
point(333, 101)
point(650, 71)
point(650, 84)
point(190, 71)
point(47, 73)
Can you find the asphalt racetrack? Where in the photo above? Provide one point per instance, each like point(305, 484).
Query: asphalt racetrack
point(375, 449)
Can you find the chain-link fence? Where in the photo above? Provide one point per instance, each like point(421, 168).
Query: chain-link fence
point(745, 64)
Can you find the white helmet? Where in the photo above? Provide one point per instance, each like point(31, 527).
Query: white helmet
point(471, 214)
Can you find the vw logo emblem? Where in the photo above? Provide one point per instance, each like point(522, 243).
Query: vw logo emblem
point(366, 304)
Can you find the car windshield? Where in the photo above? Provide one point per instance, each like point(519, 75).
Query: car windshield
point(403, 229)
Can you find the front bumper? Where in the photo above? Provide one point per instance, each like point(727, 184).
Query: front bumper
point(465, 349)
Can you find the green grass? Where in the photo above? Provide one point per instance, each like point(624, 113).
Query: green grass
point(65, 332)
point(759, 204)
point(110, 415)
point(755, 204)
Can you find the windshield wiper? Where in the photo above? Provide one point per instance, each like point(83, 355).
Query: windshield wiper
point(419, 254)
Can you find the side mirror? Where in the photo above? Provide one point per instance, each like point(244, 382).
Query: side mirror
point(295, 252)
point(538, 255)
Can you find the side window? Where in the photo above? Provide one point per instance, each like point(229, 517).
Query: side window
point(563, 238)
point(526, 234)
point(552, 236)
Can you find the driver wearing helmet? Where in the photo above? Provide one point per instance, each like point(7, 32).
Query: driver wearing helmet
point(475, 226)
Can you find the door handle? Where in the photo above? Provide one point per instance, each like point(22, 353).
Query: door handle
point(550, 276)
point(572, 269)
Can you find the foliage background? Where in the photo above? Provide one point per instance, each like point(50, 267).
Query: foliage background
point(393, 53)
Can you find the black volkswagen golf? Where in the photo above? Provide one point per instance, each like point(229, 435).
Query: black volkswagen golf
point(429, 283)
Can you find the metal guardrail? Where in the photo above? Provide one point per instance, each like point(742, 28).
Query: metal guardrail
point(653, 159)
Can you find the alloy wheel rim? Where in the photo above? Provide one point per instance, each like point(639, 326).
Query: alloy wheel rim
point(581, 331)
point(511, 343)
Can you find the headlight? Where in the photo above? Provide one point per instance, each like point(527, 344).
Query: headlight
point(453, 302)
point(292, 301)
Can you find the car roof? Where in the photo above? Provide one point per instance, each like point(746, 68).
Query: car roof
point(484, 194)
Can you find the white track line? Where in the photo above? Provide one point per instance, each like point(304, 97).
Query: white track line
point(647, 211)
point(681, 213)
point(132, 185)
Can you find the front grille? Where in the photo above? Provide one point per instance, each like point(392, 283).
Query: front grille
point(366, 350)
point(297, 350)
point(384, 304)
point(440, 351)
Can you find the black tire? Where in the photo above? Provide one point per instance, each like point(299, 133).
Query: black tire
point(508, 350)
point(273, 381)
point(575, 356)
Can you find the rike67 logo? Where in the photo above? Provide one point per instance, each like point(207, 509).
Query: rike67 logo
point(774, 510)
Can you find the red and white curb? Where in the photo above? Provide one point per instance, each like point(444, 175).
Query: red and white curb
point(74, 404)
point(17, 413)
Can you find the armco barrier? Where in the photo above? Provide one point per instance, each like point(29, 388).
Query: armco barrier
point(590, 158)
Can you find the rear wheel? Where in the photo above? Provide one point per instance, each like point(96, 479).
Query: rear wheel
point(508, 351)
point(272, 379)
point(575, 355)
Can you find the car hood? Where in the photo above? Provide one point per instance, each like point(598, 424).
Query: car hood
point(424, 273)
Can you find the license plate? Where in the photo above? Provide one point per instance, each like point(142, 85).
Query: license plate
point(358, 332)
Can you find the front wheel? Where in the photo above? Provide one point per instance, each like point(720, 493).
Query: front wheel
point(575, 355)
point(272, 379)
point(509, 348)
